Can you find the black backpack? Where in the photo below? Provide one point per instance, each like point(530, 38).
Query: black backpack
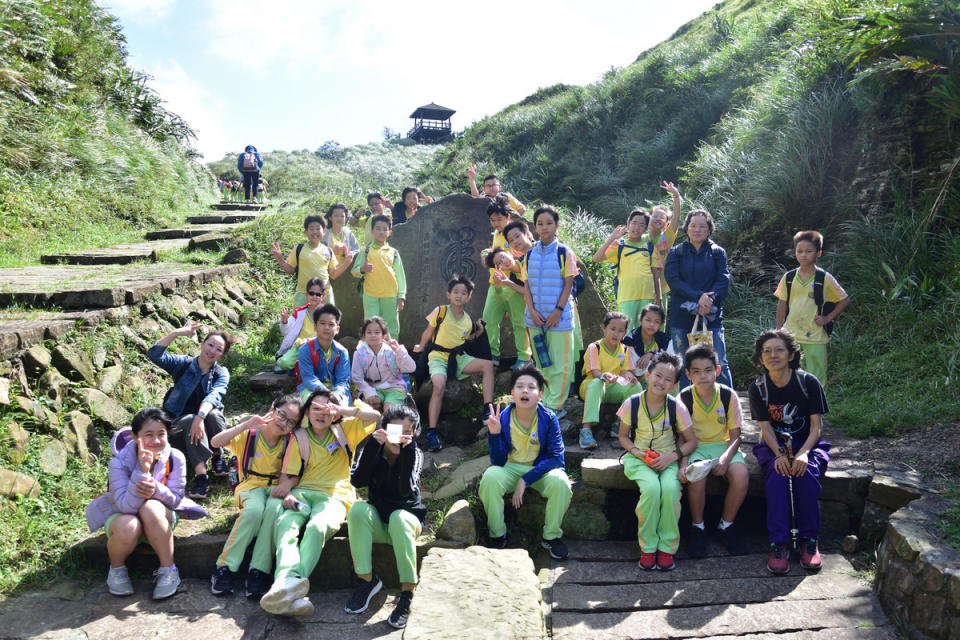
point(725, 395)
point(823, 307)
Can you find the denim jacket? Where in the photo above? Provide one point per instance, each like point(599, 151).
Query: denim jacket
point(213, 383)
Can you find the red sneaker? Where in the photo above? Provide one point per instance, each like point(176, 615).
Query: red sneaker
point(665, 561)
point(648, 561)
point(779, 561)
point(810, 555)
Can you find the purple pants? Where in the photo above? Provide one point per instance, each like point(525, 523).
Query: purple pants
point(806, 493)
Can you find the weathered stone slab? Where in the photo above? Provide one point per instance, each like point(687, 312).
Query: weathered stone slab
point(104, 408)
point(715, 567)
point(19, 437)
point(224, 218)
point(13, 483)
point(53, 458)
point(208, 241)
point(465, 474)
point(237, 206)
point(894, 489)
point(84, 287)
point(476, 593)
point(268, 381)
point(186, 232)
point(74, 365)
point(442, 239)
point(710, 621)
point(36, 360)
point(459, 524)
point(686, 593)
point(108, 255)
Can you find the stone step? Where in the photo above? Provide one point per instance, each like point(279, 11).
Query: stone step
point(270, 381)
point(102, 286)
point(237, 206)
point(225, 218)
point(116, 254)
point(844, 614)
point(209, 241)
point(21, 330)
point(186, 232)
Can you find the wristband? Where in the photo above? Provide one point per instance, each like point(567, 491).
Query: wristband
point(558, 308)
point(202, 414)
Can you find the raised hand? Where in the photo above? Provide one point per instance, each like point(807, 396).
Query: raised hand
point(392, 343)
point(145, 457)
point(472, 172)
point(276, 251)
point(617, 233)
point(493, 420)
point(191, 329)
point(284, 315)
point(669, 186)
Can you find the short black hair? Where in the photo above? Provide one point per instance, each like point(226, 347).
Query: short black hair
point(489, 176)
point(317, 282)
point(528, 369)
point(662, 357)
point(699, 212)
point(381, 218)
point(331, 396)
point(334, 207)
point(326, 308)
point(615, 315)
point(314, 218)
point(545, 208)
point(698, 352)
point(150, 413)
point(516, 224)
point(488, 259)
point(639, 212)
point(460, 279)
point(501, 206)
point(653, 307)
point(789, 341)
point(376, 195)
point(399, 412)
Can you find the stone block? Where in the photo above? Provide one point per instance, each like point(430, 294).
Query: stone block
point(605, 473)
point(459, 524)
point(466, 474)
point(834, 518)
point(894, 489)
point(35, 360)
point(53, 457)
point(5, 391)
point(269, 381)
point(585, 521)
point(110, 378)
point(134, 339)
point(849, 485)
point(104, 409)
point(36, 411)
point(476, 593)
point(19, 437)
point(54, 386)
point(75, 366)
point(18, 484)
point(457, 394)
point(226, 313)
point(81, 436)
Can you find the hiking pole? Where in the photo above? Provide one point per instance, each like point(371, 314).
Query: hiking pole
point(787, 449)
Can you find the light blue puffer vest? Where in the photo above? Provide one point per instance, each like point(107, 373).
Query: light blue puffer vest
point(546, 285)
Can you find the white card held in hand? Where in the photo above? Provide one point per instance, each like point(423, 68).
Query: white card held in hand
point(394, 431)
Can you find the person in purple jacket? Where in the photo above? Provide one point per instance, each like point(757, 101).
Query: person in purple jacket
point(145, 493)
point(526, 449)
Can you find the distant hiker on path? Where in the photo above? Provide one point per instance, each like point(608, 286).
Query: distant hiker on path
point(249, 164)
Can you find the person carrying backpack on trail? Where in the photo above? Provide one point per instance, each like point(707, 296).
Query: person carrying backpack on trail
point(249, 164)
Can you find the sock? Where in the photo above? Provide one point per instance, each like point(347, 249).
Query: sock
point(723, 524)
point(698, 525)
point(118, 569)
point(201, 475)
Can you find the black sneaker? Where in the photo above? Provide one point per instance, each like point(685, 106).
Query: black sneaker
point(221, 582)
point(697, 543)
point(497, 543)
point(398, 618)
point(733, 543)
point(484, 415)
point(558, 550)
point(257, 583)
point(200, 488)
point(360, 599)
point(220, 466)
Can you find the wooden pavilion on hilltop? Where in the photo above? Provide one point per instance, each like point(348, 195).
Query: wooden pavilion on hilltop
point(431, 124)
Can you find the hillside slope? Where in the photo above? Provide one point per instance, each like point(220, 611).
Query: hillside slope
point(87, 150)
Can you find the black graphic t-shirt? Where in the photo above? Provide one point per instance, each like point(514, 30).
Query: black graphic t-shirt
point(788, 409)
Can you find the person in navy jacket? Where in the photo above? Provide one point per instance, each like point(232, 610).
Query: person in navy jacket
point(249, 164)
point(526, 450)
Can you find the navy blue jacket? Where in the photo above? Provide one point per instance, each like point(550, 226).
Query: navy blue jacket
point(249, 148)
point(548, 434)
point(690, 273)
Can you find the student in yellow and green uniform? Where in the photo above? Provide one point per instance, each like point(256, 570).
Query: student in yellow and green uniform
point(320, 456)
point(607, 374)
point(715, 411)
point(502, 300)
point(660, 238)
point(633, 281)
point(448, 328)
point(384, 282)
point(809, 300)
point(312, 259)
point(657, 433)
point(259, 444)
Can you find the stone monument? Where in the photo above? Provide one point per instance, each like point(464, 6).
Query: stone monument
point(444, 238)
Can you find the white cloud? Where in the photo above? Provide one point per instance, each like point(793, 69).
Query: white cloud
point(140, 12)
point(193, 102)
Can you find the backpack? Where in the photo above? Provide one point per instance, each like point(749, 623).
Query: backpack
point(250, 161)
point(616, 269)
point(823, 307)
point(725, 395)
point(315, 356)
point(248, 454)
point(579, 284)
point(761, 383)
point(635, 413)
point(296, 267)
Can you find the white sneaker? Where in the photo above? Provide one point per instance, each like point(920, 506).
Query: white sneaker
point(300, 607)
point(118, 581)
point(167, 579)
point(281, 595)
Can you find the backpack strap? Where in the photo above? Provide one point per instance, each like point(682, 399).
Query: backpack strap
point(616, 269)
point(672, 417)
point(788, 280)
point(634, 415)
point(726, 394)
point(687, 397)
point(248, 451)
point(303, 444)
point(166, 471)
point(296, 268)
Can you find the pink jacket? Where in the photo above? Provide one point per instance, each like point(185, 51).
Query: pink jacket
point(370, 371)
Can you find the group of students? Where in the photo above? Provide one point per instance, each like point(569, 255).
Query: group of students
point(298, 465)
point(231, 190)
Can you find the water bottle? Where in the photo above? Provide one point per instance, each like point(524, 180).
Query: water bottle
point(543, 354)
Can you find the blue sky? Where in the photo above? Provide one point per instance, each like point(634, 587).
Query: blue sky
point(291, 74)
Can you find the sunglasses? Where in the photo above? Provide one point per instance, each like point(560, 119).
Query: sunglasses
point(315, 293)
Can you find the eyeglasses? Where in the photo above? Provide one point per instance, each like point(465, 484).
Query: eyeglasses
point(285, 419)
point(315, 293)
point(770, 352)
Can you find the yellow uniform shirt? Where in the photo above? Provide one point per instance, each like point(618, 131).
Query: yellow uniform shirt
point(383, 281)
point(654, 432)
point(634, 275)
point(328, 467)
point(597, 356)
point(266, 461)
point(711, 422)
point(661, 248)
point(499, 242)
point(308, 329)
point(803, 307)
point(452, 332)
point(526, 446)
point(315, 262)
